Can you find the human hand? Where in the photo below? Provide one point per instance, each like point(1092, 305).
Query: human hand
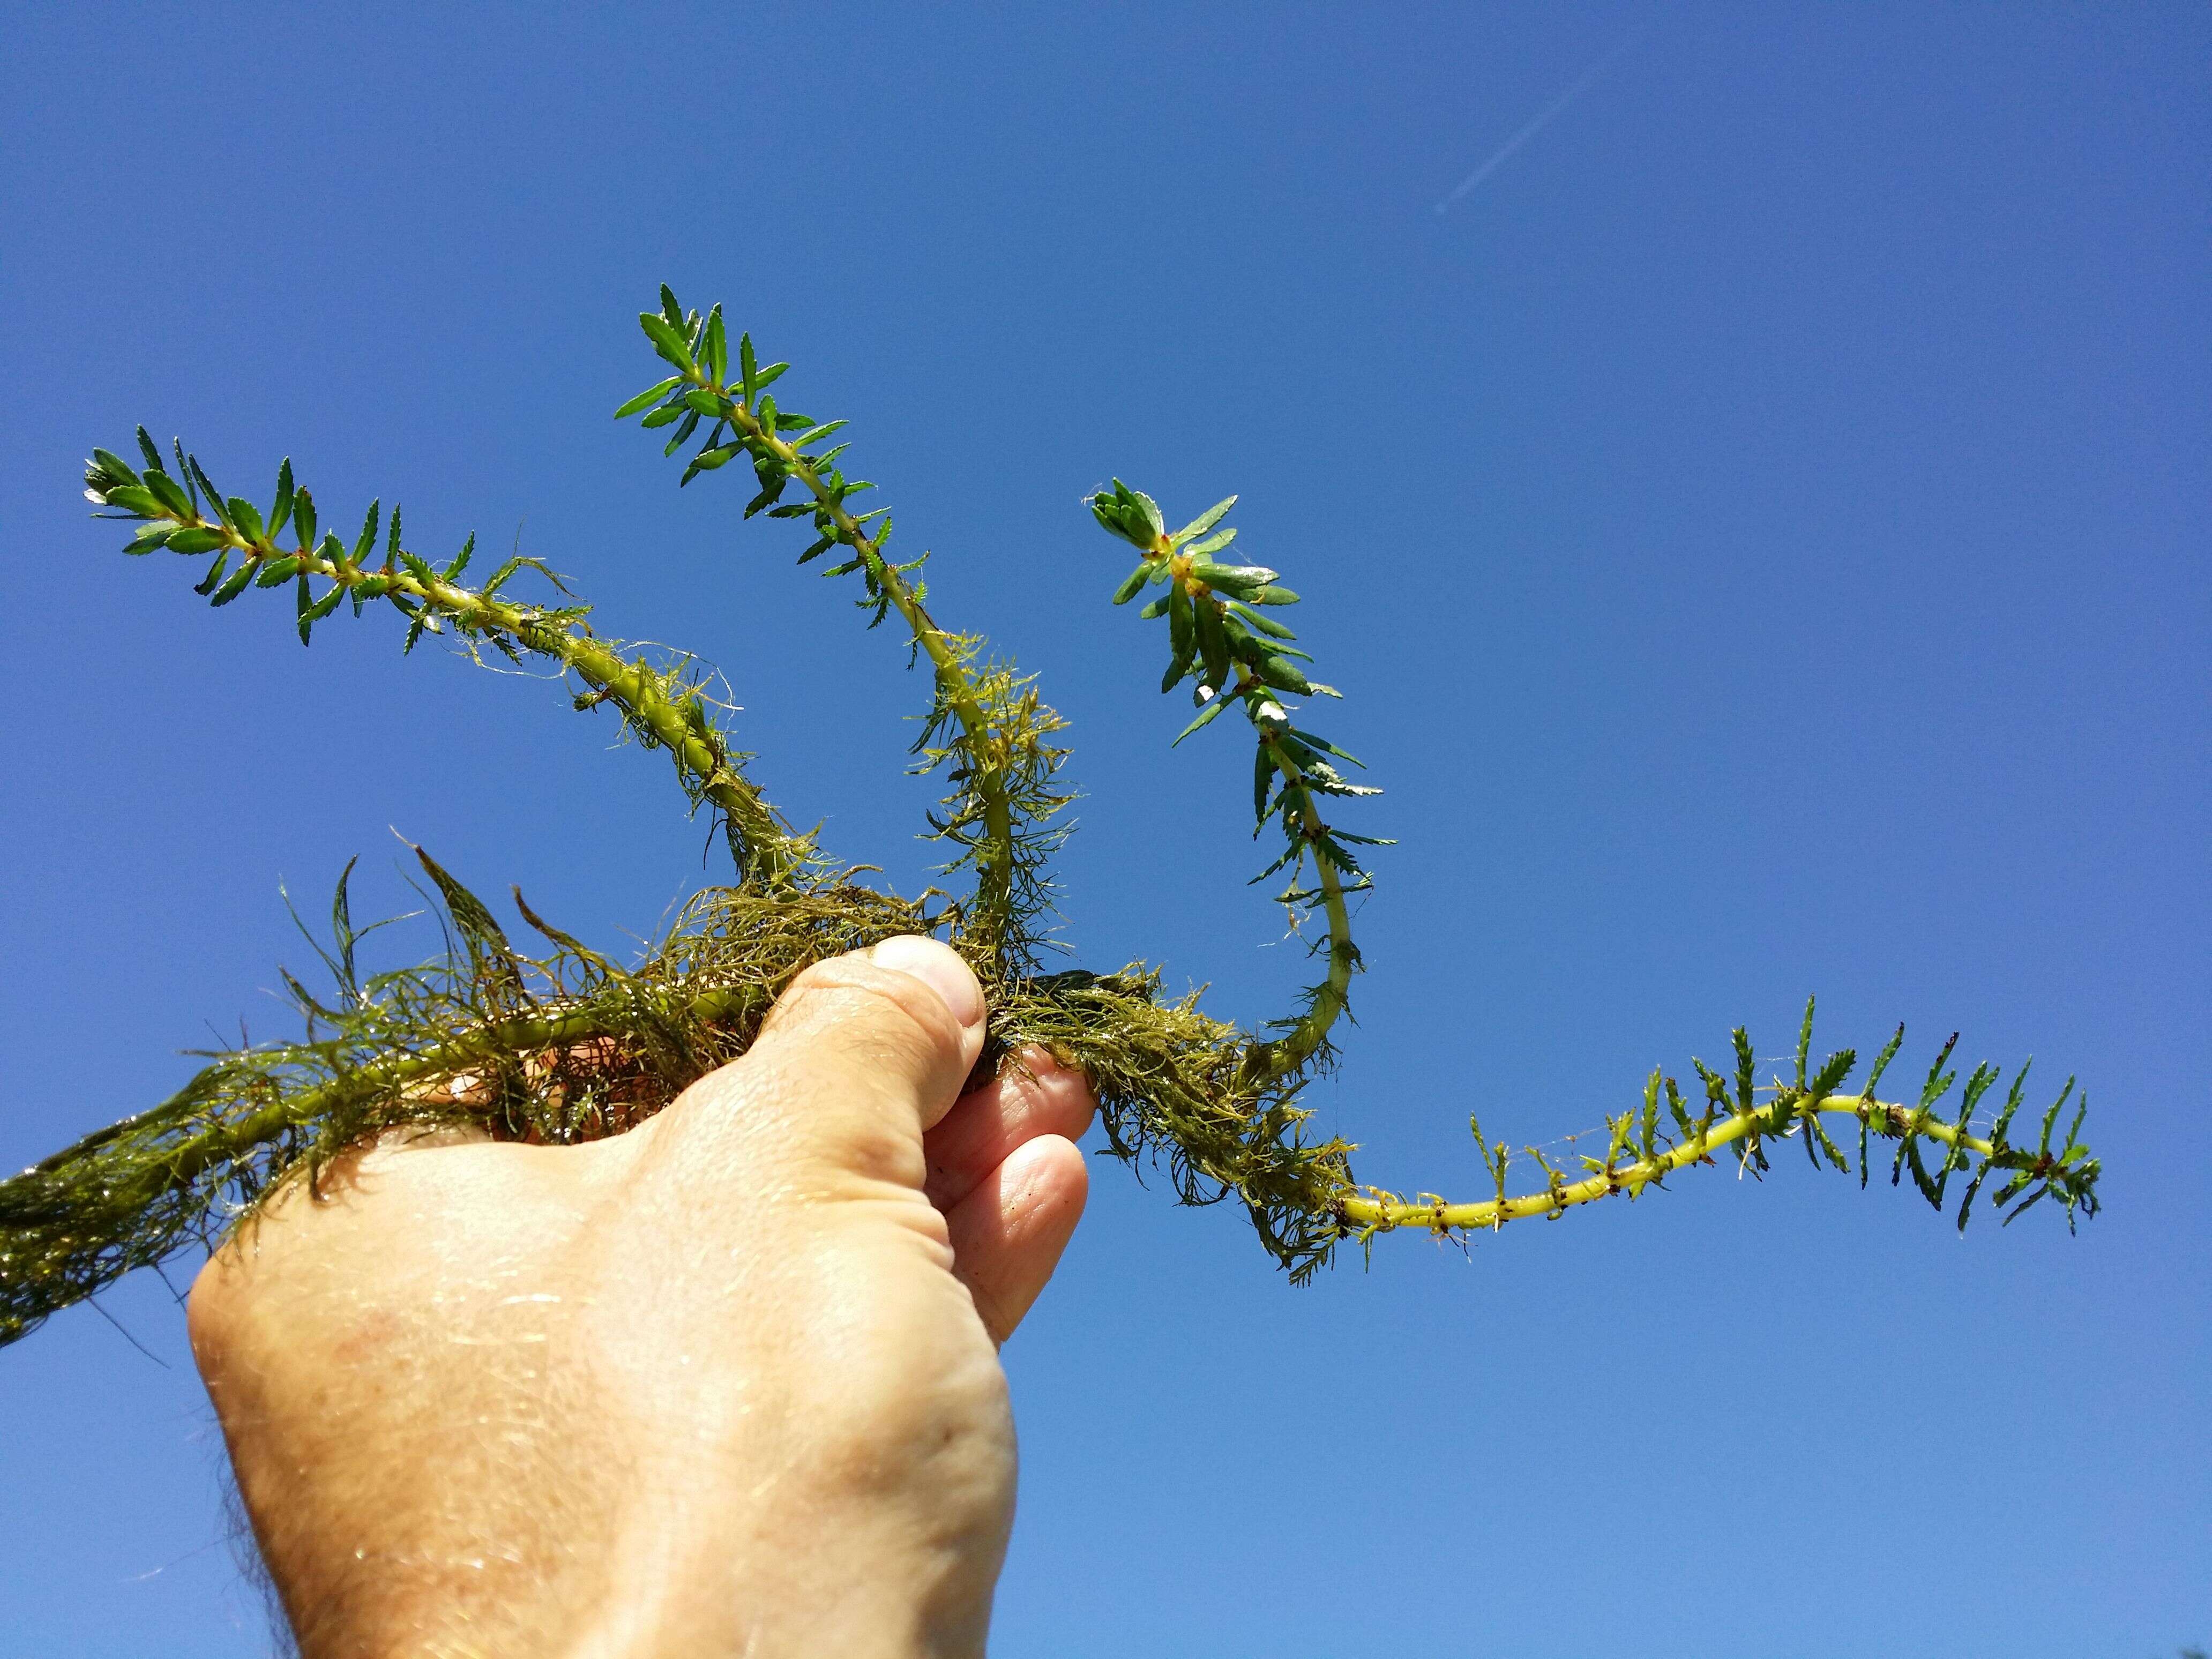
point(727, 1383)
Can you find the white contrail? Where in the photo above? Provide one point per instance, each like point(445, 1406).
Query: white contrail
point(1588, 79)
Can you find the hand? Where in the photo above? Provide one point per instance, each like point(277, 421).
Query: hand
point(726, 1384)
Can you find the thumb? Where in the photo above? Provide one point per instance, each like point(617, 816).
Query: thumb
point(860, 1055)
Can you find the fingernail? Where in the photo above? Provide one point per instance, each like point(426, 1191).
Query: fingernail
point(938, 967)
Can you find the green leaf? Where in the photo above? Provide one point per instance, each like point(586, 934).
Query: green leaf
point(1831, 1076)
point(748, 370)
point(1270, 596)
point(707, 402)
point(1178, 667)
point(1157, 608)
point(816, 435)
point(1331, 845)
point(214, 578)
point(1205, 521)
point(1267, 625)
point(112, 465)
point(1204, 715)
point(207, 486)
point(706, 460)
point(147, 540)
point(717, 351)
point(366, 543)
point(1236, 577)
point(1129, 514)
point(168, 491)
point(689, 425)
point(136, 498)
point(194, 540)
point(1284, 675)
point(246, 518)
point(280, 512)
point(274, 573)
point(460, 559)
point(1212, 642)
point(1134, 583)
point(668, 340)
point(664, 415)
point(669, 308)
point(151, 450)
point(499, 577)
point(303, 517)
point(324, 606)
point(236, 585)
point(1326, 747)
point(652, 394)
point(1212, 544)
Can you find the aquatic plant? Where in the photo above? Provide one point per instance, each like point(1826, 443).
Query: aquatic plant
point(560, 1043)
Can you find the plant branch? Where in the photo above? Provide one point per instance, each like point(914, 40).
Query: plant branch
point(948, 664)
point(2036, 1172)
point(1216, 628)
point(1000, 729)
point(1290, 1053)
point(656, 704)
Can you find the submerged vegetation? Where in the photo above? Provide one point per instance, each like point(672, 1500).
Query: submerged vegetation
point(557, 1043)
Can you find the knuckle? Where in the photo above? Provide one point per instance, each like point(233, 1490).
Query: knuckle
point(212, 1305)
point(880, 1008)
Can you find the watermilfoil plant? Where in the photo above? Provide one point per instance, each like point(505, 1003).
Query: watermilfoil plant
point(557, 1043)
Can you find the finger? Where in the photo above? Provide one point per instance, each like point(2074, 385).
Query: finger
point(1008, 1233)
point(859, 1056)
point(1035, 1096)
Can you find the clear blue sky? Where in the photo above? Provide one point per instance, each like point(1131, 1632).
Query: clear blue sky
point(1760, 527)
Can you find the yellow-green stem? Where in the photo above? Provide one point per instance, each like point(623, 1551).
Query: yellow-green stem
point(772, 851)
point(994, 859)
point(389, 1075)
point(1382, 1211)
point(1290, 1051)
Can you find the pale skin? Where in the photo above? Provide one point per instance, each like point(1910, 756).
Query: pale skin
point(727, 1384)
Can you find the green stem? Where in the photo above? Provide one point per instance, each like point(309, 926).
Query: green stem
point(388, 1075)
point(1382, 1211)
point(1292, 1051)
point(994, 859)
point(767, 848)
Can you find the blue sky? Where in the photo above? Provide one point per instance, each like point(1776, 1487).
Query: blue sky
point(1760, 528)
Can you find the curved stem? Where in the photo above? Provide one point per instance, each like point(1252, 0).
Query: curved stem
point(1382, 1211)
point(388, 1074)
point(1292, 1051)
point(995, 860)
point(766, 847)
